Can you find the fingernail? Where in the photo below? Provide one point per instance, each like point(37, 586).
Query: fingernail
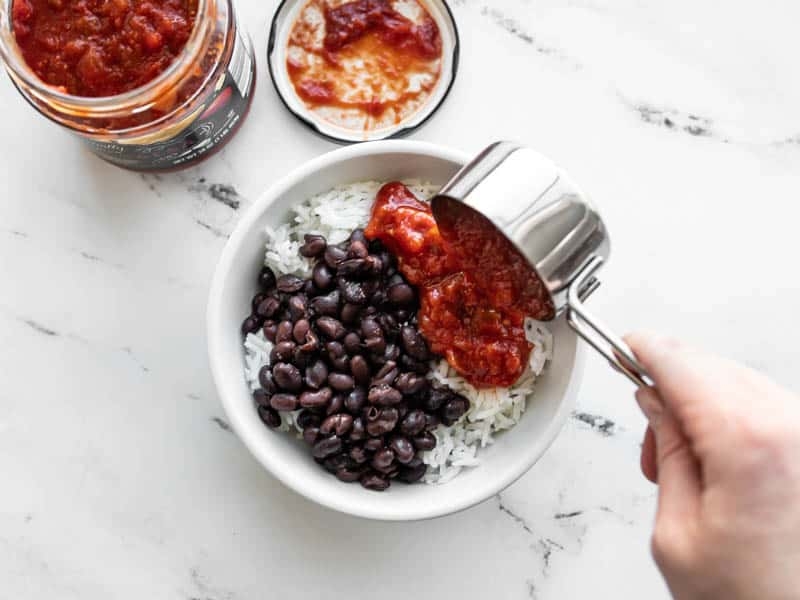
point(651, 405)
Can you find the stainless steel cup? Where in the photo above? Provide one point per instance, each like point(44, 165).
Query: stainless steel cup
point(553, 225)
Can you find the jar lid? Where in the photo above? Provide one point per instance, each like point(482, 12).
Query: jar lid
point(296, 44)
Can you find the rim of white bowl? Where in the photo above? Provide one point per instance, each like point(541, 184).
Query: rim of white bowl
point(216, 332)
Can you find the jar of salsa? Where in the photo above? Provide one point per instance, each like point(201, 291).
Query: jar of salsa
point(150, 85)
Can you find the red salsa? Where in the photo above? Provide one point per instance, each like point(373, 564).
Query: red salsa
point(475, 288)
point(370, 60)
point(99, 48)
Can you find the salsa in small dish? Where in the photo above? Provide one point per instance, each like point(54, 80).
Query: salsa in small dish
point(358, 70)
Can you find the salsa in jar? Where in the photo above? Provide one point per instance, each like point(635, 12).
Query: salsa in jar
point(476, 289)
point(151, 85)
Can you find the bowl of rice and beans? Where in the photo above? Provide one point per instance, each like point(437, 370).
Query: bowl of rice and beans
point(356, 350)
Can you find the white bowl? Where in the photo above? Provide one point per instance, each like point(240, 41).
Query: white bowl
point(288, 458)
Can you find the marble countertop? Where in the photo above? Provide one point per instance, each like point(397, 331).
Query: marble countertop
point(121, 476)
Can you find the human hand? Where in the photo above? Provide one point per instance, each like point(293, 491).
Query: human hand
point(724, 447)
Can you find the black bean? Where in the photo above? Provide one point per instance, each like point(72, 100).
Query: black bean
point(383, 458)
point(289, 284)
point(410, 364)
point(382, 421)
point(339, 424)
point(403, 449)
point(327, 447)
point(300, 359)
point(424, 441)
point(374, 482)
point(281, 352)
point(348, 475)
point(360, 369)
point(413, 343)
point(410, 383)
point(370, 311)
point(314, 245)
point(315, 399)
point(353, 292)
point(283, 402)
point(389, 325)
point(352, 343)
point(326, 305)
point(454, 410)
point(358, 432)
point(266, 279)
point(300, 330)
point(373, 444)
point(334, 255)
point(357, 249)
point(391, 352)
point(310, 290)
point(403, 315)
point(437, 398)
point(370, 327)
point(331, 328)
point(266, 380)
point(358, 236)
point(341, 382)
point(316, 374)
point(358, 454)
point(386, 375)
point(268, 307)
point(431, 422)
point(334, 350)
point(350, 312)
point(373, 265)
point(376, 345)
point(413, 423)
point(338, 461)
point(250, 325)
point(269, 417)
point(352, 267)
point(412, 474)
point(306, 418)
point(284, 332)
point(355, 400)
point(270, 329)
point(322, 276)
point(395, 279)
point(310, 435)
point(257, 299)
point(402, 409)
point(297, 306)
point(311, 344)
point(336, 405)
point(401, 294)
point(384, 395)
point(261, 398)
point(287, 376)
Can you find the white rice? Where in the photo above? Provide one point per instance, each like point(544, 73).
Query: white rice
point(335, 214)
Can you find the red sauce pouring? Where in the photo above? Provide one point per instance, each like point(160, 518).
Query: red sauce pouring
point(475, 288)
point(99, 48)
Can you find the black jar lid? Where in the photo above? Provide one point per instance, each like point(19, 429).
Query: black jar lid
point(280, 29)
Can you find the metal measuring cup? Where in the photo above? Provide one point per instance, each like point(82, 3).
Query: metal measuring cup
point(552, 224)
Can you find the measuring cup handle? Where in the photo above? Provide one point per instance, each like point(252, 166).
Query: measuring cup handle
point(611, 346)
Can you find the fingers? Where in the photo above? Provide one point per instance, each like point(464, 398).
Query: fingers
point(678, 472)
point(648, 459)
point(696, 388)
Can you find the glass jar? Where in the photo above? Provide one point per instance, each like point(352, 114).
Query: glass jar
point(182, 116)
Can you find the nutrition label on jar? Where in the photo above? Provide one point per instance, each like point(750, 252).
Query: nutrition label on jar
point(206, 129)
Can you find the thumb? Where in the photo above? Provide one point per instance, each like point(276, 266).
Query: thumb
point(678, 471)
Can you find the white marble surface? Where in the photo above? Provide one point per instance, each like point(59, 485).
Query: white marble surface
point(120, 479)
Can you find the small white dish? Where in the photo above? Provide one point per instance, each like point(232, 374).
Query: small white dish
point(289, 459)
